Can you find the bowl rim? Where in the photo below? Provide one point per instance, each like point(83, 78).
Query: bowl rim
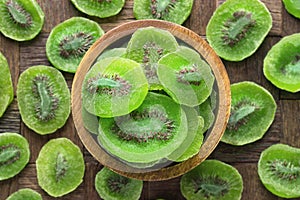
point(190, 38)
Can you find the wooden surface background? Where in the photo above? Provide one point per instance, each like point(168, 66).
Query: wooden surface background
point(285, 129)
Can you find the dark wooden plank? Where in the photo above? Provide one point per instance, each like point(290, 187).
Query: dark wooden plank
point(10, 121)
point(290, 24)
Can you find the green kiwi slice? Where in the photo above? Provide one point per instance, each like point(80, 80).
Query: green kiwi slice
point(113, 87)
point(112, 186)
point(25, 194)
point(252, 113)
point(206, 112)
point(21, 20)
point(185, 76)
point(279, 170)
point(99, 8)
point(151, 132)
point(212, 179)
point(176, 11)
point(60, 167)
point(69, 41)
point(43, 99)
point(293, 7)
point(237, 28)
point(147, 46)
point(282, 64)
point(114, 52)
point(14, 154)
point(6, 87)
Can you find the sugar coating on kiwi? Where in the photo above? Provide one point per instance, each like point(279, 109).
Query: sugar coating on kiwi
point(237, 28)
point(293, 7)
point(14, 154)
point(6, 87)
point(60, 167)
point(110, 185)
point(212, 179)
point(282, 63)
point(279, 170)
point(69, 41)
point(43, 99)
point(25, 194)
point(21, 20)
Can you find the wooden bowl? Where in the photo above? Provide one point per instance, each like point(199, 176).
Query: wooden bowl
point(222, 109)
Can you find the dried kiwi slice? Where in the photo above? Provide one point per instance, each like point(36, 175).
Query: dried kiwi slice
point(176, 11)
point(114, 87)
point(99, 8)
point(293, 7)
point(238, 27)
point(69, 41)
point(149, 133)
point(43, 99)
point(115, 52)
point(282, 63)
point(111, 185)
point(60, 167)
point(185, 76)
point(20, 20)
point(279, 170)
point(252, 113)
point(25, 194)
point(6, 87)
point(147, 46)
point(14, 154)
point(212, 179)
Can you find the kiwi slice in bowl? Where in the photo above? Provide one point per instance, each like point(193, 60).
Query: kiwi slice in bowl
point(25, 194)
point(212, 179)
point(114, 52)
point(237, 28)
point(43, 99)
point(282, 63)
point(20, 20)
point(279, 170)
point(252, 113)
point(69, 41)
point(176, 11)
point(99, 8)
point(293, 7)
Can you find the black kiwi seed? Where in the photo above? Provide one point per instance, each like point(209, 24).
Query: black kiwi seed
point(117, 183)
point(61, 166)
point(18, 14)
point(160, 8)
point(284, 169)
point(189, 75)
point(9, 154)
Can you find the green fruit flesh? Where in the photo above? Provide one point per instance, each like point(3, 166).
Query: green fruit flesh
point(293, 7)
point(25, 194)
point(206, 112)
point(115, 52)
point(43, 99)
point(279, 170)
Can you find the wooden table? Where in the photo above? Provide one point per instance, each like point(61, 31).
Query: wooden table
point(285, 129)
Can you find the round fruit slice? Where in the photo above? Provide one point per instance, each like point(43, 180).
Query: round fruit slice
point(25, 194)
point(114, 87)
point(176, 11)
point(282, 63)
point(293, 7)
point(185, 76)
point(43, 99)
point(60, 167)
point(238, 27)
point(111, 185)
point(6, 87)
point(252, 113)
point(20, 19)
point(69, 41)
point(279, 170)
point(212, 179)
point(147, 46)
point(14, 154)
point(151, 132)
point(99, 8)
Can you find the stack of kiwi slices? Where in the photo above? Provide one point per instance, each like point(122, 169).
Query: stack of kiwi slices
point(149, 102)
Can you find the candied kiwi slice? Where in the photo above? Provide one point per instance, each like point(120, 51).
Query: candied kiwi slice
point(185, 76)
point(6, 87)
point(279, 170)
point(237, 28)
point(176, 11)
point(111, 185)
point(60, 167)
point(99, 8)
point(212, 179)
point(114, 87)
point(151, 132)
point(293, 7)
point(25, 194)
point(69, 41)
point(14, 154)
point(146, 46)
point(252, 113)
point(282, 64)
point(43, 99)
